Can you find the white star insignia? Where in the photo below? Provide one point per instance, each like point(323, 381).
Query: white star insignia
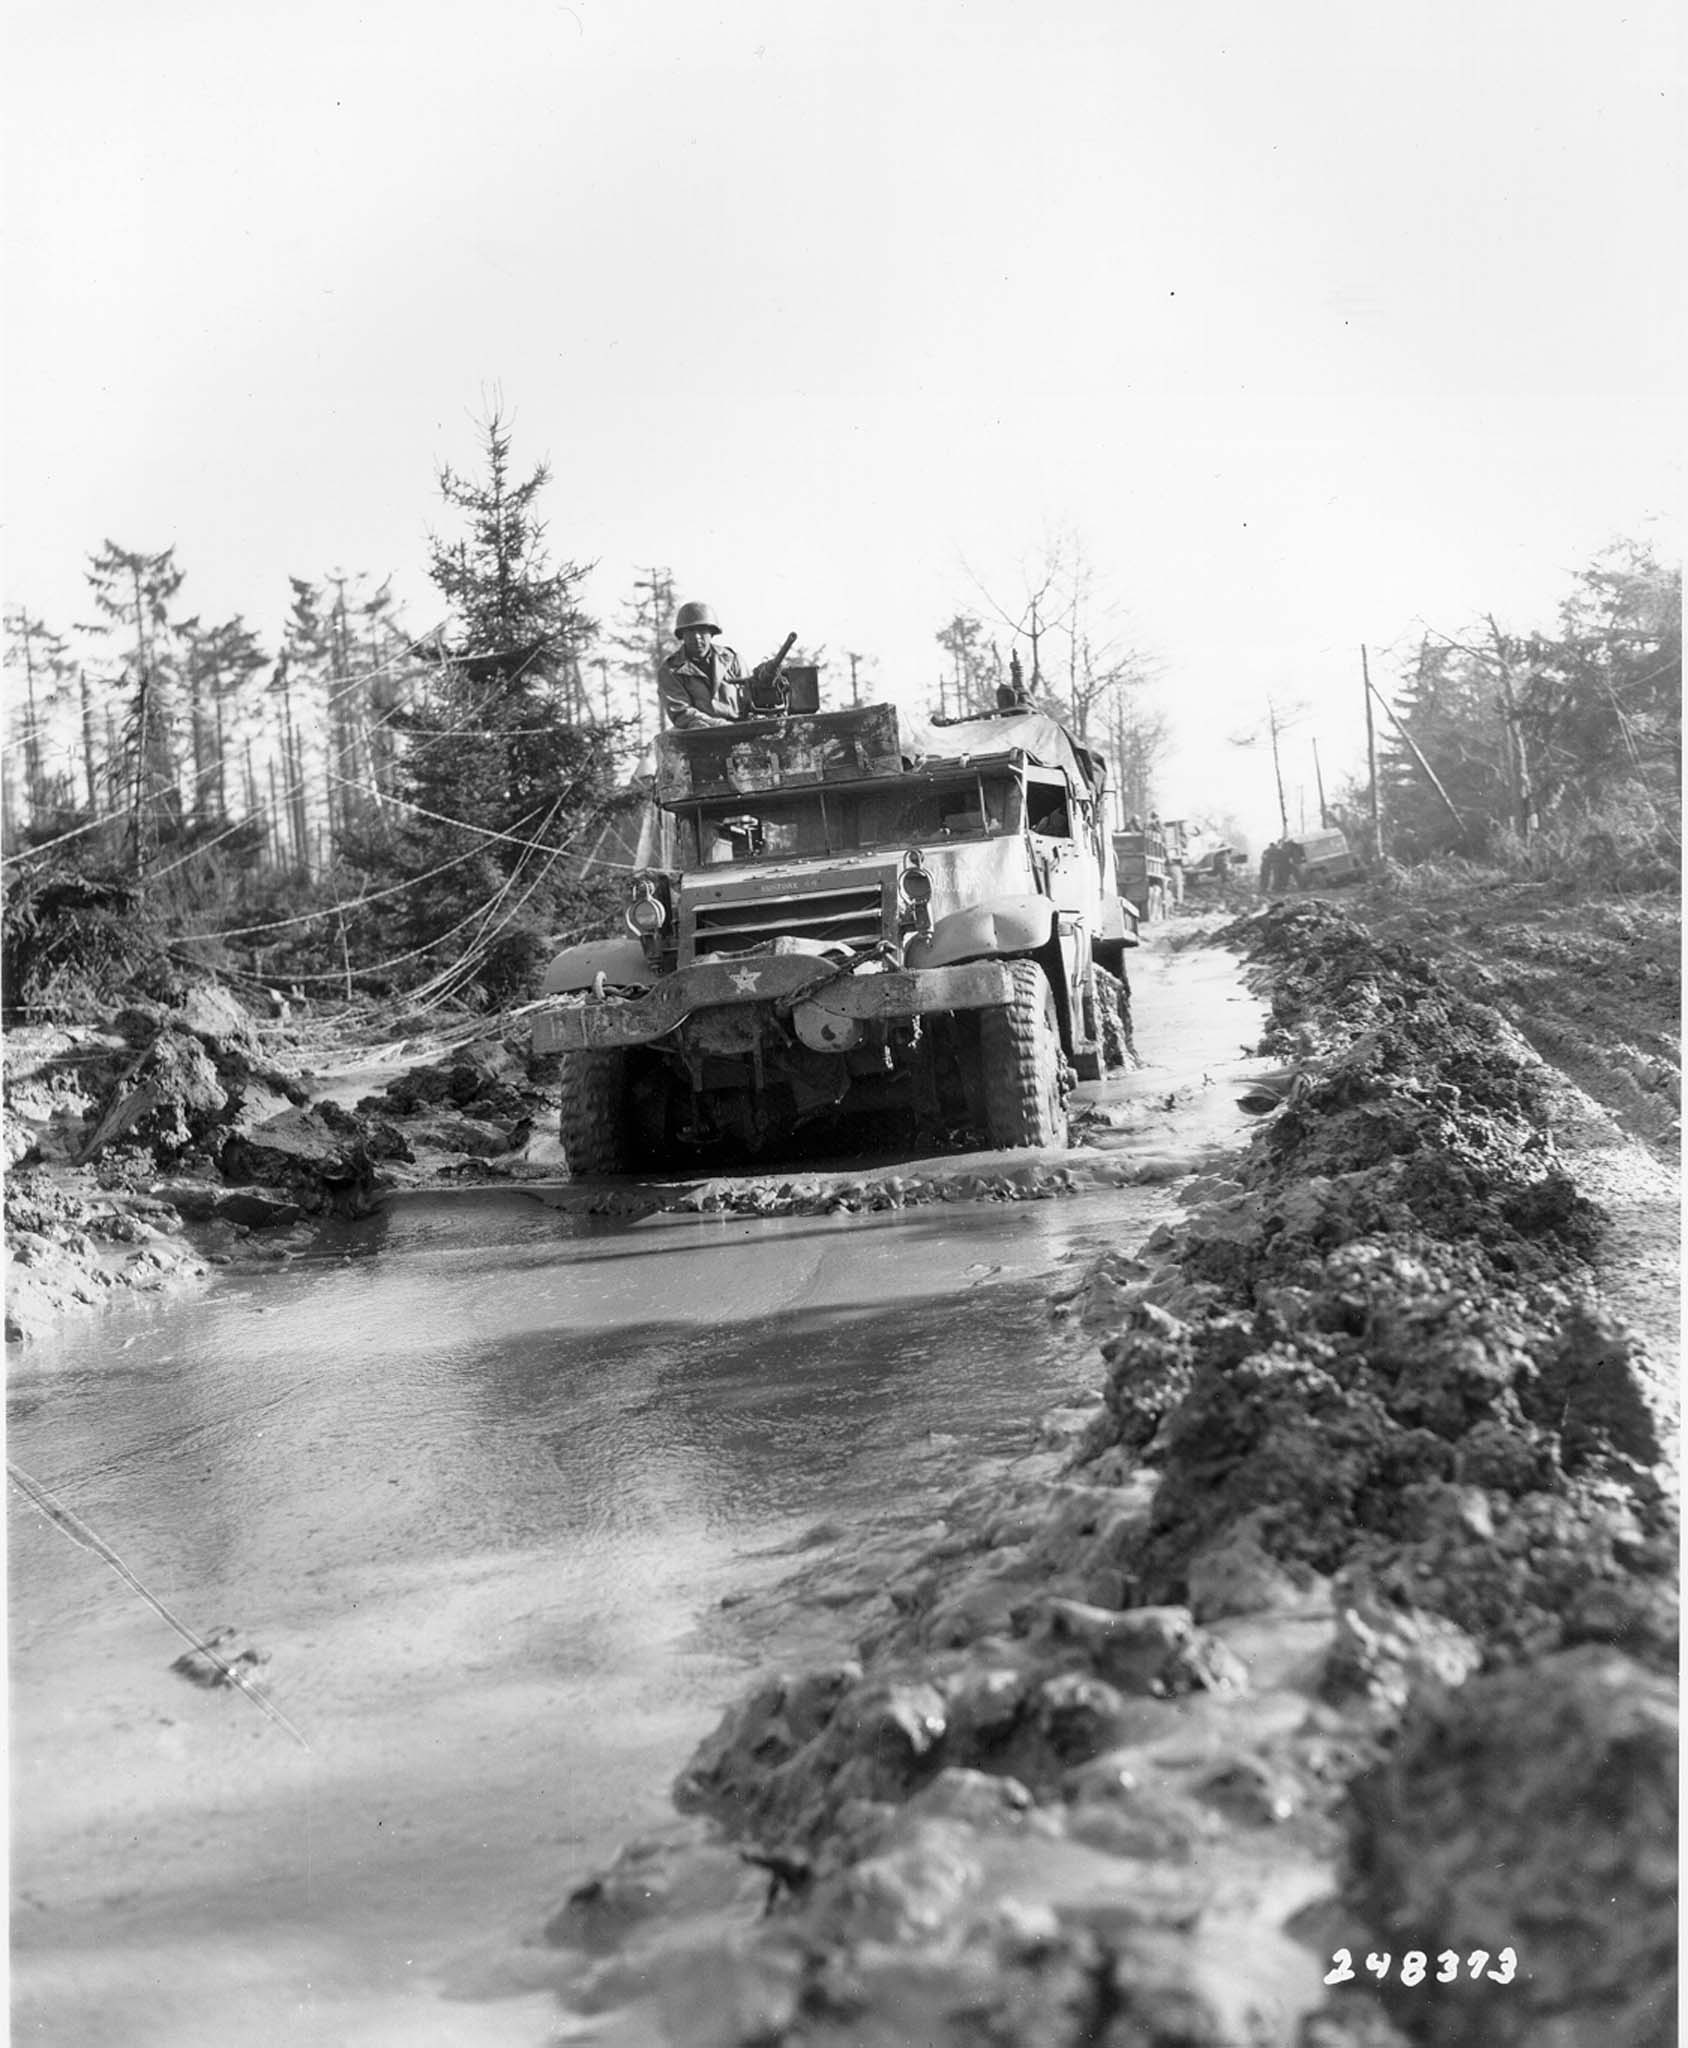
point(745, 981)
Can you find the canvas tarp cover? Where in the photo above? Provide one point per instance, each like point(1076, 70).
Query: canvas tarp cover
point(1031, 733)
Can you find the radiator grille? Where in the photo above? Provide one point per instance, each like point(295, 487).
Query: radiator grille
point(853, 915)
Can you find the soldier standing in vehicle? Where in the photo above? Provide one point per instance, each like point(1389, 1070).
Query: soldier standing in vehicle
point(702, 680)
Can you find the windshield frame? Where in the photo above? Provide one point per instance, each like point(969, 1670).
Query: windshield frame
point(996, 790)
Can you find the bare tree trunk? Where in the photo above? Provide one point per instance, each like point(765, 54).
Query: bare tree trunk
point(273, 820)
point(1371, 761)
point(196, 728)
point(1277, 766)
point(1517, 756)
point(293, 767)
point(88, 740)
point(269, 816)
point(33, 779)
point(143, 714)
point(222, 754)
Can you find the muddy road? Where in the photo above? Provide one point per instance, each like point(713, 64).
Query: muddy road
point(509, 1499)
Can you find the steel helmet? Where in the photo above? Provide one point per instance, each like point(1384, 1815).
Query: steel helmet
point(698, 615)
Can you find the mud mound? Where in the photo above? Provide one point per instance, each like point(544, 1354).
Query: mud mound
point(72, 943)
point(1366, 1543)
point(1534, 1810)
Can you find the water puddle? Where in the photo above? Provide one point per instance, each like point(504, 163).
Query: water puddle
point(472, 1496)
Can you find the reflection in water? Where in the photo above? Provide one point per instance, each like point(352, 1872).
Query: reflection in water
point(473, 1494)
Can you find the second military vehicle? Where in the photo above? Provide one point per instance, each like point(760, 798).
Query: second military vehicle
point(1143, 867)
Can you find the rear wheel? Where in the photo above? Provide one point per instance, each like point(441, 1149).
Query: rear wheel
point(594, 1123)
point(1020, 1048)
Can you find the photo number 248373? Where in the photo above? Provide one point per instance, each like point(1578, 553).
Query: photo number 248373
point(1415, 1967)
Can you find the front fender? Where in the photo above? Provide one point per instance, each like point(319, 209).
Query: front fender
point(1001, 926)
point(621, 962)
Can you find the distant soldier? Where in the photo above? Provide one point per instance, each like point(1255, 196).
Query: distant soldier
point(1279, 867)
point(702, 680)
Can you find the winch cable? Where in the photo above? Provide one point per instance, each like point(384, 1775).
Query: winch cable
point(73, 1526)
point(881, 950)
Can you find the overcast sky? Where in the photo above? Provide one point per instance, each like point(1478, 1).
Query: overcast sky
point(1310, 320)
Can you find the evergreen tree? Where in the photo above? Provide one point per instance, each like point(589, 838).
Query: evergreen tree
point(381, 647)
point(42, 711)
point(1528, 730)
point(1601, 704)
point(335, 700)
point(132, 593)
point(297, 694)
point(1452, 708)
point(645, 637)
point(219, 665)
point(502, 777)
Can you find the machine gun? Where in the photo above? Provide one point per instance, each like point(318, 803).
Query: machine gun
point(769, 693)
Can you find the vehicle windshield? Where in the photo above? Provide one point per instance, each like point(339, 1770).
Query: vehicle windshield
point(790, 824)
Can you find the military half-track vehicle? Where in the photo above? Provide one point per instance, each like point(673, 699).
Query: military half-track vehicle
point(841, 918)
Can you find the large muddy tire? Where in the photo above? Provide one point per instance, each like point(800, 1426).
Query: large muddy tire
point(594, 1121)
point(1024, 1089)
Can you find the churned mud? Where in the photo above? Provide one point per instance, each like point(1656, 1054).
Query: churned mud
point(173, 1138)
point(1593, 981)
point(1313, 1683)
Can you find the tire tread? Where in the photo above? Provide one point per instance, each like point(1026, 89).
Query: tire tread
point(1020, 1047)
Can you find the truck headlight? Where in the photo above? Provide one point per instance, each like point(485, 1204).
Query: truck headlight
point(914, 887)
point(645, 915)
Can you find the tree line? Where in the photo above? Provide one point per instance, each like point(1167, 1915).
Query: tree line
point(172, 730)
point(370, 807)
point(365, 801)
point(373, 807)
point(1495, 740)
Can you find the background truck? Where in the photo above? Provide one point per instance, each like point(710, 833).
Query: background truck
point(1209, 860)
point(1317, 860)
point(1144, 869)
point(840, 918)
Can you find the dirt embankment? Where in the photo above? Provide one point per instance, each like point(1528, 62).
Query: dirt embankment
point(1594, 982)
point(1312, 1686)
point(172, 1137)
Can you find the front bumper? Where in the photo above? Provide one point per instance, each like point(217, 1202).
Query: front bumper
point(780, 982)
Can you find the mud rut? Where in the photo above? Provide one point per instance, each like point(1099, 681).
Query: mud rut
point(1315, 1686)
